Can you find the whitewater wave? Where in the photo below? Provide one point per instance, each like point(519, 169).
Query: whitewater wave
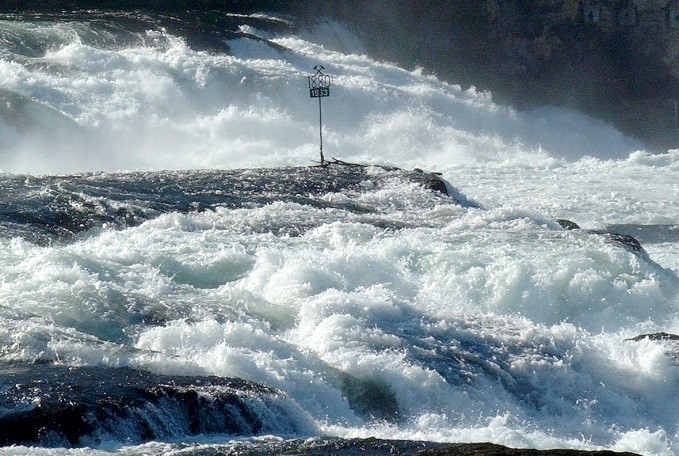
point(78, 98)
point(377, 307)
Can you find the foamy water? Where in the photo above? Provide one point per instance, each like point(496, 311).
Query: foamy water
point(470, 324)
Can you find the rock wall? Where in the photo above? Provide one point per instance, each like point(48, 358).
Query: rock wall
point(622, 67)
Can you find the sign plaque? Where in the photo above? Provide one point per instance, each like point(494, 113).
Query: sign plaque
point(319, 87)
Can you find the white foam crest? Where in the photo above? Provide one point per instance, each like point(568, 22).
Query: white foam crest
point(586, 401)
point(339, 297)
point(576, 276)
point(644, 441)
point(591, 192)
point(246, 351)
point(493, 261)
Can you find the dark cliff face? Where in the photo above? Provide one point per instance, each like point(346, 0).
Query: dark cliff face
point(531, 53)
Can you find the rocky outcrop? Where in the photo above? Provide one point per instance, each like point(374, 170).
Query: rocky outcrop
point(49, 405)
point(61, 406)
point(488, 449)
point(625, 240)
point(82, 202)
point(432, 181)
point(567, 224)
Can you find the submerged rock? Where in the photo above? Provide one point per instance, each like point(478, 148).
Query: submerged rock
point(431, 181)
point(489, 449)
point(626, 240)
point(370, 399)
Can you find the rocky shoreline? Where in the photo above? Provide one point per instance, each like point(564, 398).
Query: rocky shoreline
point(381, 447)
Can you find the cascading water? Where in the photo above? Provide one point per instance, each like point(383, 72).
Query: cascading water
point(372, 305)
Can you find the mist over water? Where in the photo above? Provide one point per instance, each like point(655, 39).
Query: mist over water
point(158, 104)
point(486, 323)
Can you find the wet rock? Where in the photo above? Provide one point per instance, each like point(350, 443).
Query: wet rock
point(654, 336)
point(430, 181)
point(44, 209)
point(567, 224)
point(370, 398)
point(379, 447)
point(60, 406)
point(625, 240)
point(489, 449)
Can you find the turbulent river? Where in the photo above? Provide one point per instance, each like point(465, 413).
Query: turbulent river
point(176, 278)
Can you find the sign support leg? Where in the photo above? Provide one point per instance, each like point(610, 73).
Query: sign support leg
point(676, 120)
point(320, 129)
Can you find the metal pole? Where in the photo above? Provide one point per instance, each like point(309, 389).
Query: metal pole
point(319, 87)
point(320, 128)
point(676, 121)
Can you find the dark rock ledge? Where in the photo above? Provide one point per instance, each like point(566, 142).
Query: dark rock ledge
point(58, 208)
point(379, 447)
point(489, 449)
point(430, 180)
point(60, 406)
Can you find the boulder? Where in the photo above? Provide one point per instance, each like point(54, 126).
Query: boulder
point(567, 224)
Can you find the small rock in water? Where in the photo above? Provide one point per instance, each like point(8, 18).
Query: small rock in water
point(567, 224)
point(654, 336)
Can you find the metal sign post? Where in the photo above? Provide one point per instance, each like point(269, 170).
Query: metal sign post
point(319, 87)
